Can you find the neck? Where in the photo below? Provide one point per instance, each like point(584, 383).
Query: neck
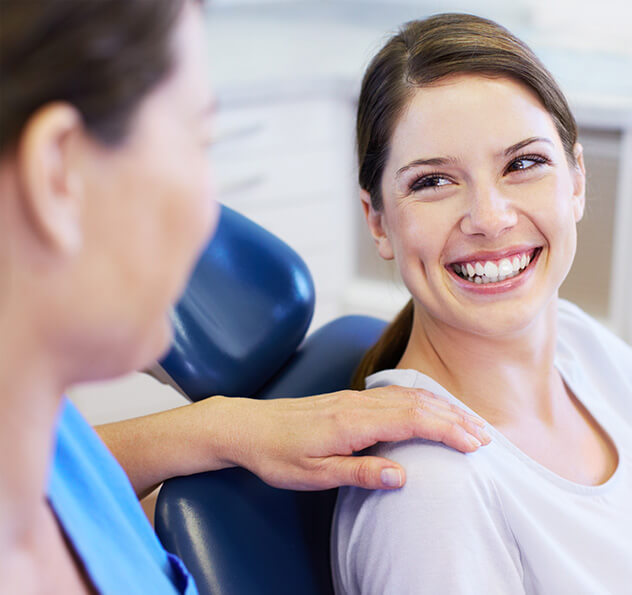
point(30, 395)
point(504, 379)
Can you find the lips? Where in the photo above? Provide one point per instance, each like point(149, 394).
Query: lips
point(494, 270)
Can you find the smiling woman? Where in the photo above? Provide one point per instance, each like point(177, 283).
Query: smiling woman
point(478, 197)
point(473, 182)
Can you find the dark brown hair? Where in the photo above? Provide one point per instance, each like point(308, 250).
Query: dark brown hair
point(102, 56)
point(420, 54)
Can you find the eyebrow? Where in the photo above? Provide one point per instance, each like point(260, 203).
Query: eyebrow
point(525, 142)
point(435, 161)
point(441, 161)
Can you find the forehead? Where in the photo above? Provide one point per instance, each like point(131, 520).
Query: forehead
point(181, 97)
point(469, 113)
point(190, 52)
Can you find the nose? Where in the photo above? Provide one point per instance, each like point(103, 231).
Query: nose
point(489, 213)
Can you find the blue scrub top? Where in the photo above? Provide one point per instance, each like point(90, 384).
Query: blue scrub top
point(102, 518)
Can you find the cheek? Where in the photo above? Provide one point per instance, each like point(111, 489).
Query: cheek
point(552, 211)
point(416, 246)
point(556, 211)
point(191, 210)
point(422, 231)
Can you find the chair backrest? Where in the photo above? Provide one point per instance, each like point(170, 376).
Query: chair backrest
point(246, 308)
point(236, 534)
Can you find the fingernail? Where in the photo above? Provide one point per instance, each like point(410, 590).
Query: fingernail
point(484, 436)
point(475, 442)
point(478, 421)
point(391, 478)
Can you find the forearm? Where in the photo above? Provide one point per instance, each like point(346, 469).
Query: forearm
point(180, 441)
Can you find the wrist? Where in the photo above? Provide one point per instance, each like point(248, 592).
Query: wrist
point(221, 435)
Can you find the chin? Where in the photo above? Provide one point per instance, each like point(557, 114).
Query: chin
point(154, 344)
point(163, 337)
point(509, 320)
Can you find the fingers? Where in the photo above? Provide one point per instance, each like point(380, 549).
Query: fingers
point(453, 426)
point(372, 473)
point(456, 436)
point(423, 398)
point(395, 413)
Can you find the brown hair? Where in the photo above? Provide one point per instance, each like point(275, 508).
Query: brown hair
point(421, 53)
point(102, 56)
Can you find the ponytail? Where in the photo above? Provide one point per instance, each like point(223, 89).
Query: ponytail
point(388, 350)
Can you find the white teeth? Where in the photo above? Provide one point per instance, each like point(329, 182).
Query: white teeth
point(490, 272)
point(504, 267)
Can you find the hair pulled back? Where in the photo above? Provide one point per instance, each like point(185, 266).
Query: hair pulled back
point(421, 53)
point(101, 56)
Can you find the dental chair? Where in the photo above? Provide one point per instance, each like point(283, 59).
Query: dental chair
point(239, 331)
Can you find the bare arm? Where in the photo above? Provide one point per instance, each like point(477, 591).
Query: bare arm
point(300, 444)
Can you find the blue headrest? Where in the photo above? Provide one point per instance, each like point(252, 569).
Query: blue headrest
point(245, 310)
point(326, 361)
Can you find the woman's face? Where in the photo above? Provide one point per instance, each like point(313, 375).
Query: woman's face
point(480, 204)
point(149, 203)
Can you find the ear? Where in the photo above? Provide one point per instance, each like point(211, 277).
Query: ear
point(50, 186)
point(578, 174)
point(377, 227)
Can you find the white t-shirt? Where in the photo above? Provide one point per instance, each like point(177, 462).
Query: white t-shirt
point(495, 521)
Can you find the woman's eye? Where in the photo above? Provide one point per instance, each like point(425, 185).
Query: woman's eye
point(526, 162)
point(429, 181)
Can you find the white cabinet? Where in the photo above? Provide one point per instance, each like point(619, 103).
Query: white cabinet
point(287, 163)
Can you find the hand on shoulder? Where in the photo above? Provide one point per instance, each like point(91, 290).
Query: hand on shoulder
point(309, 443)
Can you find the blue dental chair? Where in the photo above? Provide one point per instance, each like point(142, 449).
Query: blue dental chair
point(239, 331)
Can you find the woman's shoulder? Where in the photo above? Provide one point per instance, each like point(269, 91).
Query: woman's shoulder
point(446, 467)
point(594, 361)
point(578, 328)
point(440, 482)
point(584, 343)
point(397, 537)
point(434, 470)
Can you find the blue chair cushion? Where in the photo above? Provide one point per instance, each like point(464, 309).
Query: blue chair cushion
point(245, 310)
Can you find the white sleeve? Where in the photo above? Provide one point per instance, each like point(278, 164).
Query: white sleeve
point(443, 533)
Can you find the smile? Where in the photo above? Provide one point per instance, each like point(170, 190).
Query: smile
point(493, 271)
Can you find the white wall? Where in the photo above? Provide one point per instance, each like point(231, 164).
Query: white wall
point(130, 396)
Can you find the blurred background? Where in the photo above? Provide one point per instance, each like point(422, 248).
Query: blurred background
point(286, 76)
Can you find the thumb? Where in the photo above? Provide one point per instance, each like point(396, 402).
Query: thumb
point(372, 473)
